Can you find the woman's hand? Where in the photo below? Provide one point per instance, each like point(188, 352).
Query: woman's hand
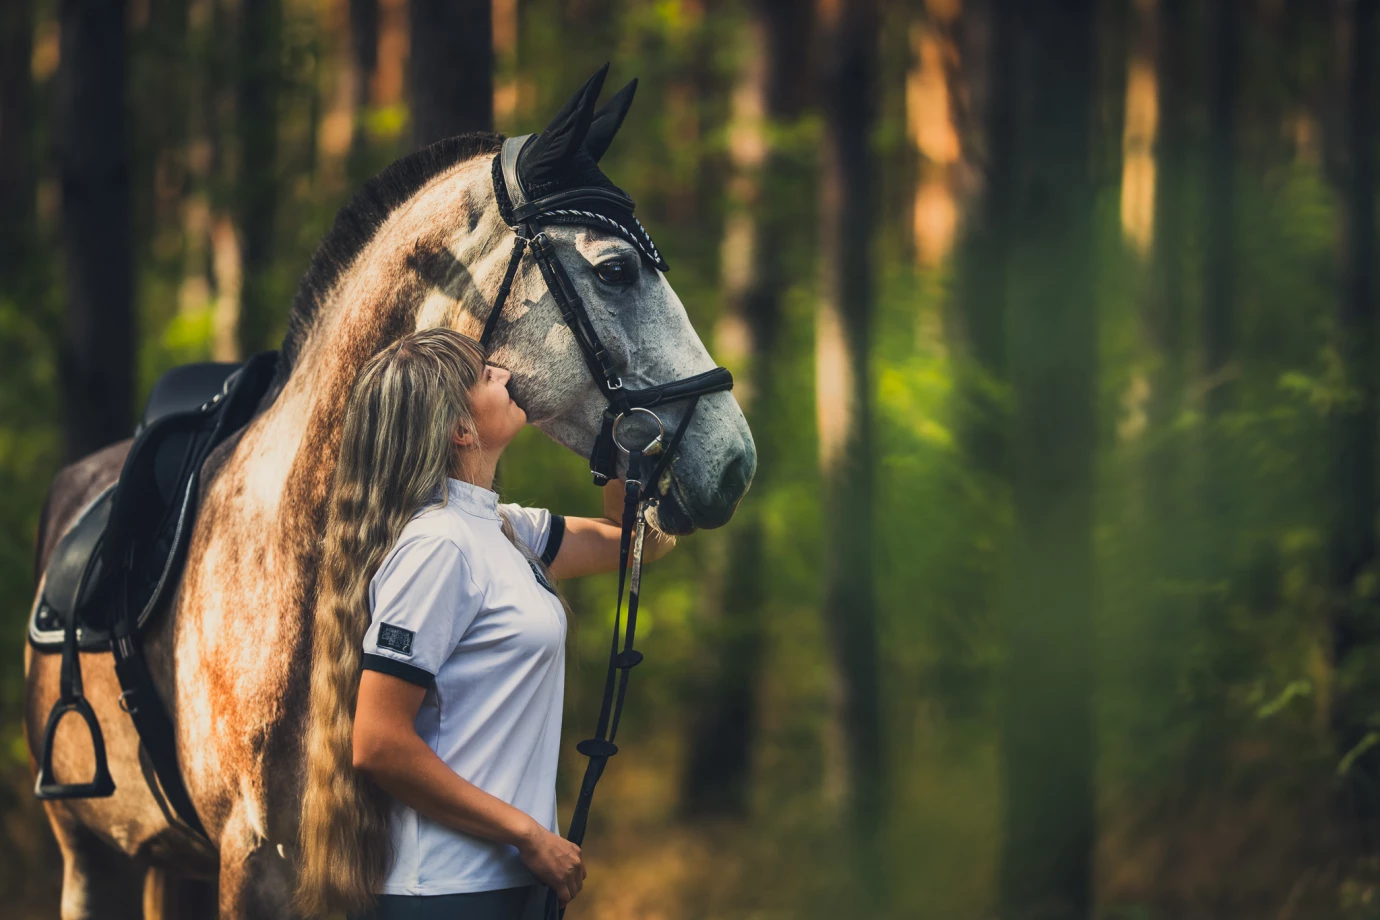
point(591, 544)
point(555, 861)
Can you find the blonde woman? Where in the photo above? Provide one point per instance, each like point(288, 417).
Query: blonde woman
point(438, 659)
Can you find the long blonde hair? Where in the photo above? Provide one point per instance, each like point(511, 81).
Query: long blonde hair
point(396, 453)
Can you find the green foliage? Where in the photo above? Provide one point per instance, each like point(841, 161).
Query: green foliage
point(1213, 649)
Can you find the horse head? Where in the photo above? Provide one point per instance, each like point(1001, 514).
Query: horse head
point(431, 242)
point(617, 275)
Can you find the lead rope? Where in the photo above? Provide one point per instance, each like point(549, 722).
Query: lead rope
point(601, 747)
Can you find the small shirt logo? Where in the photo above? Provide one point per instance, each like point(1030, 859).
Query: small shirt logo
point(541, 579)
point(396, 638)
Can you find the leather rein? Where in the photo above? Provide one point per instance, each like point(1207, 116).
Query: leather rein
point(646, 464)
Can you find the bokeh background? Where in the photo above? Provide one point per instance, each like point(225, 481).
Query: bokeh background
point(1056, 593)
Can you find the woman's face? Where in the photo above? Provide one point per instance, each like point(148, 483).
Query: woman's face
point(497, 418)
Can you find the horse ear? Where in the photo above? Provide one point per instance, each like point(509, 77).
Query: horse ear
point(561, 139)
point(608, 120)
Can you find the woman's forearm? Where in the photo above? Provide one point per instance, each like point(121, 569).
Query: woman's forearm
point(408, 769)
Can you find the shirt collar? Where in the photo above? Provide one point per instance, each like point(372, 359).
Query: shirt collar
point(475, 499)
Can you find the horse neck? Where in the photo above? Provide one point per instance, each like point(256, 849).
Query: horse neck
point(381, 297)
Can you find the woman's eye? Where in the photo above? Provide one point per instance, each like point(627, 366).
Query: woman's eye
point(616, 272)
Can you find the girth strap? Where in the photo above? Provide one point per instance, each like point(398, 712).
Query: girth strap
point(139, 698)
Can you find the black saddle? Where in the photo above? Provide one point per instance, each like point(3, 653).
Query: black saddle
point(156, 493)
point(117, 565)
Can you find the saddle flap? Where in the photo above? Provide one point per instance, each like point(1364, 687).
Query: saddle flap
point(67, 573)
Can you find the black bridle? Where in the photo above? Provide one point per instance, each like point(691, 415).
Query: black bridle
point(525, 217)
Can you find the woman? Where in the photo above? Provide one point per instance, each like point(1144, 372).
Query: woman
point(438, 675)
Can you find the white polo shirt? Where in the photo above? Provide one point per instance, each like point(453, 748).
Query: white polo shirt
point(457, 609)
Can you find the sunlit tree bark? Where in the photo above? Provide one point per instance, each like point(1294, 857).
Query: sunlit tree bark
point(451, 79)
point(98, 347)
point(930, 99)
point(1046, 712)
point(770, 92)
point(843, 402)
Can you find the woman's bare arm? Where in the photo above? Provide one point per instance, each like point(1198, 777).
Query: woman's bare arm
point(591, 544)
point(389, 751)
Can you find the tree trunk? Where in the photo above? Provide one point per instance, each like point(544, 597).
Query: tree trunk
point(1046, 711)
point(256, 195)
point(1220, 219)
point(718, 772)
point(159, 64)
point(98, 349)
point(1164, 620)
point(1164, 322)
point(452, 69)
point(17, 214)
point(844, 407)
point(1352, 489)
point(978, 319)
point(364, 46)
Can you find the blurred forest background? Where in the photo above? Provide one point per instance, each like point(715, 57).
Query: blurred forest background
point(1056, 595)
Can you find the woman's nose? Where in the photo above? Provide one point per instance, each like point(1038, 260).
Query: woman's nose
point(503, 375)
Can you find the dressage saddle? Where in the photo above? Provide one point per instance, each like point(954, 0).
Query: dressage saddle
point(118, 565)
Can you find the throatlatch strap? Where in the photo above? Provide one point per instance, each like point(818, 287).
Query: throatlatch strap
point(490, 324)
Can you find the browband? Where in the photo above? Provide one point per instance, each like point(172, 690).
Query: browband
point(508, 160)
point(608, 209)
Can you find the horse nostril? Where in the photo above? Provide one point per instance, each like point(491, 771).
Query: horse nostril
point(734, 481)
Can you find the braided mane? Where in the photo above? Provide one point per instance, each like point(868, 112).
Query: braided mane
point(356, 224)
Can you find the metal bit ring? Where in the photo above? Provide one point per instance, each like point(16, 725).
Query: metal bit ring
point(654, 445)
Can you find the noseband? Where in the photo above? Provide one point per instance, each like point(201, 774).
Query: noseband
point(525, 217)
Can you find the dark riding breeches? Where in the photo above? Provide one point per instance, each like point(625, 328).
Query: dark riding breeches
point(501, 904)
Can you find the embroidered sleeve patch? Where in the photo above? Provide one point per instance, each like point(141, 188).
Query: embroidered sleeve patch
point(396, 638)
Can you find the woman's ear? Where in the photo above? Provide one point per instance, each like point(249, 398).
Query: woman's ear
point(462, 438)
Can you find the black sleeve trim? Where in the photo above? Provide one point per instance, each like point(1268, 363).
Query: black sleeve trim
point(553, 540)
point(394, 668)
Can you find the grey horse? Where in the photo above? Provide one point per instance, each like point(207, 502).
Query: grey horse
point(421, 245)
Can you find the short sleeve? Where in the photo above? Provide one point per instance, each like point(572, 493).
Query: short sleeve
point(538, 528)
point(423, 600)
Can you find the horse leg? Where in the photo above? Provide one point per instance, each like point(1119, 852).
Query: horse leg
point(98, 881)
point(256, 879)
point(173, 897)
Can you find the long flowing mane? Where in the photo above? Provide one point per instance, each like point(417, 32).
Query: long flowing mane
point(356, 225)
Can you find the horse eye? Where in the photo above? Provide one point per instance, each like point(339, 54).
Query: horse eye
point(614, 271)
